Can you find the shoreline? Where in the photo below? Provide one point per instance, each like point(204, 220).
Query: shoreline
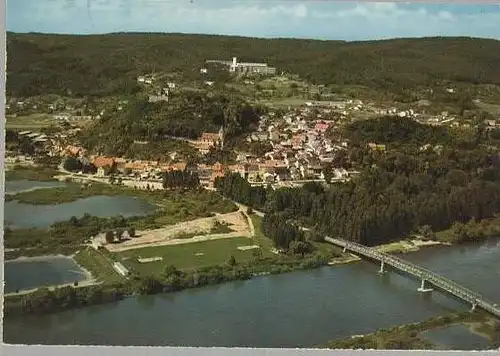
point(44, 258)
point(92, 280)
point(469, 320)
point(40, 258)
point(88, 279)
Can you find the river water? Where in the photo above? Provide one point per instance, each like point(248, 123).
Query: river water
point(300, 309)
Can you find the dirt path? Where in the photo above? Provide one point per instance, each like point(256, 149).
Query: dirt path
point(238, 221)
point(84, 283)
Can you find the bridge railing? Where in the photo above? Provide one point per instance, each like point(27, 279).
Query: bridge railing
point(432, 277)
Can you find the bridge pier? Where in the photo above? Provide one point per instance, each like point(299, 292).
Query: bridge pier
point(381, 270)
point(474, 304)
point(433, 280)
point(423, 289)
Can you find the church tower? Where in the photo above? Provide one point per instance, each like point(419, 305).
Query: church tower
point(221, 137)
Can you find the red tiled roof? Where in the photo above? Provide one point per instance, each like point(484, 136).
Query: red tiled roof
point(208, 136)
point(102, 161)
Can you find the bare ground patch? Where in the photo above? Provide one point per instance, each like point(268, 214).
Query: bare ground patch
point(199, 228)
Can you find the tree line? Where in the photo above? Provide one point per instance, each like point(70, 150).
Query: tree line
point(100, 65)
point(180, 179)
point(237, 188)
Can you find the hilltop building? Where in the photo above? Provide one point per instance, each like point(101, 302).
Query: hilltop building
point(245, 68)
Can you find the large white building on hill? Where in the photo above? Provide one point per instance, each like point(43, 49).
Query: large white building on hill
point(245, 68)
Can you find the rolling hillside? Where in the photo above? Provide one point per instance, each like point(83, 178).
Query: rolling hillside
point(107, 64)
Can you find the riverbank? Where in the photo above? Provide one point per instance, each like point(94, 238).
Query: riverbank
point(245, 268)
point(358, 301)
point(411, 336)
point(172, 280)
point(138, 284)
point(409, 245)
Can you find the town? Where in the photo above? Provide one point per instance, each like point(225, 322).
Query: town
point(146, 167)
point(303, 142)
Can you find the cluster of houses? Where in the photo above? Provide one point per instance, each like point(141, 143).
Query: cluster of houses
point(34, 136)
point(301, 148)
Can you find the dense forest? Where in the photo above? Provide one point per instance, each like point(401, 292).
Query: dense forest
point(186, 115)
point(396, 130)
point(180, 179)
point(100, 65)
point(397, 192)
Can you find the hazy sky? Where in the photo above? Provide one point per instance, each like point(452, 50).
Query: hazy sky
point(346, 20)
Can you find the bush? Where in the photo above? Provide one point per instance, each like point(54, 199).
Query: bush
point(110, 236)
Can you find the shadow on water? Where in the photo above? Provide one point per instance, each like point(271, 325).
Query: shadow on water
point(491, 243)
point(238, 285)
point(146, 301)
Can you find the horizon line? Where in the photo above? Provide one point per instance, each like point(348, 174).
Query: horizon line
point(246, 37)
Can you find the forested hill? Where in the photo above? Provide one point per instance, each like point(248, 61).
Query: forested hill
point(105, 64)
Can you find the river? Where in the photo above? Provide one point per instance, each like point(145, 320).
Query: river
point(300, 309)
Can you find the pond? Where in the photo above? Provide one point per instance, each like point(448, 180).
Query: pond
point(22, 216)
point(19, 186)
point(456, 337)
point(30, 273)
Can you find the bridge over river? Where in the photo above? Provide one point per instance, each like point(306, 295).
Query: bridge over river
point(428, 278)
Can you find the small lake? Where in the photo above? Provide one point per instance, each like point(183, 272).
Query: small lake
point(21, 216)
point(19, 186)
point(37, 272)
point(456, 337)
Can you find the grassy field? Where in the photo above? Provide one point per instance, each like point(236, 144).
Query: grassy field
point(489, 107)
point(30, 122)
point(445, 235)
point(31, 173)
point(283, 102)
point(185, 256)
point(98, 264)
point(259, 239)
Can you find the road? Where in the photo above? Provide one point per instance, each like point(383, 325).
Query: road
point(133, 183)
